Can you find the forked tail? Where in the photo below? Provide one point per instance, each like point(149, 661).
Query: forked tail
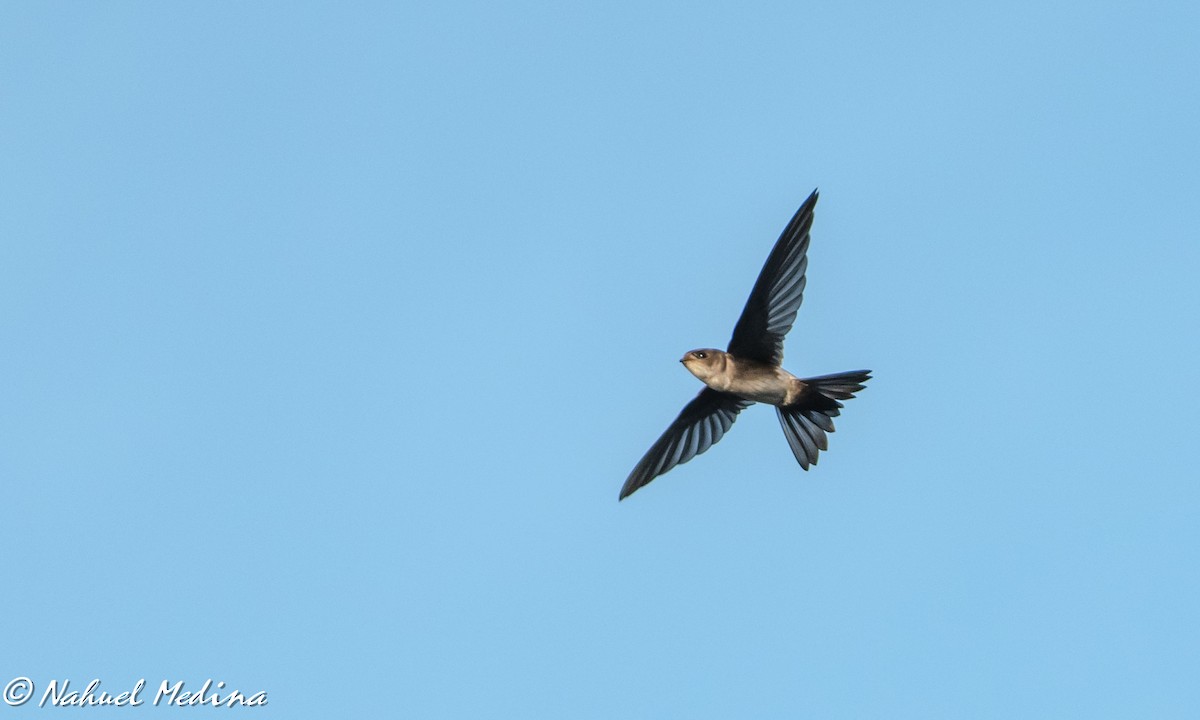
point(806, 421)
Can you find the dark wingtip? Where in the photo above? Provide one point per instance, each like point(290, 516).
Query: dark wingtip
point(626, 491)
point(810, 202)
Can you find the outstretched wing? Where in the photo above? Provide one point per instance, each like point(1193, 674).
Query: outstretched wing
point(771, 309)
point(701, 424)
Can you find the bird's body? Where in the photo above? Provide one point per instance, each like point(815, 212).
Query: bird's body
point(750, 371)
point(743, 377)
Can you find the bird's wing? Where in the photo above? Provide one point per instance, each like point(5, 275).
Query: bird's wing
point(777, 294)
point(701, 424)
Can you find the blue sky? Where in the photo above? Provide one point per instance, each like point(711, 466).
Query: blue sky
point(330, 332)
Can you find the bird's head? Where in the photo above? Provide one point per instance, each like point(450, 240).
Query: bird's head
point(704, 363)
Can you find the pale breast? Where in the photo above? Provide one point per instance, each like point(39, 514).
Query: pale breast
point(762, 383)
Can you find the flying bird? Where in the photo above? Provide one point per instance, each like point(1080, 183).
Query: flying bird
point(750, 371)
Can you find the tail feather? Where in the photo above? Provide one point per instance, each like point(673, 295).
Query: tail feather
point(840, 385)
point(806, 421)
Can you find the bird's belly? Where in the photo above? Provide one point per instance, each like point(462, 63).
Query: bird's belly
point(769, 390)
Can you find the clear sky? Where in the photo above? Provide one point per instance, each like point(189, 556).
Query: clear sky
point(329, 333)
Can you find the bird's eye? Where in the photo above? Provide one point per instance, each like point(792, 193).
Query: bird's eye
point(701, 355)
